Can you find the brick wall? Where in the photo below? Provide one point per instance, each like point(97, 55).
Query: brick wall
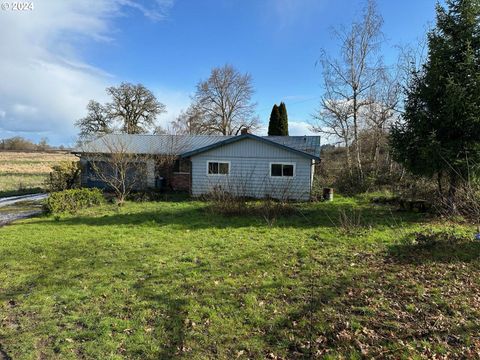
point(180, 182)
point(174, 181)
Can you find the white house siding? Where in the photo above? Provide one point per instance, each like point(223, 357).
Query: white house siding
point(250, 171)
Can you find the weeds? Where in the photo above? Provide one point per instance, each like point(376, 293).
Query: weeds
point(350, 221)
point(224, 203)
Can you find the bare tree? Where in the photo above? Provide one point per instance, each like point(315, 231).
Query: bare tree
point(169, 161)
point(160, 130)
point(349, 77)
point(114, 164)
point(96, 122)
point(382, 110)
point(334, 120)
point(134, 106)
point(224, 102)
point(188, 122)
point(410, 61)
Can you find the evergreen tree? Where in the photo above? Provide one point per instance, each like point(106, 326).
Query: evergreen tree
point(440, 134)
point(283, 124)
point(274, 124)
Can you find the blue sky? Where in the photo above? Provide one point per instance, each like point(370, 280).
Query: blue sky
point(63, 53)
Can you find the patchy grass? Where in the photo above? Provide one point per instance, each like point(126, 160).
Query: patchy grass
point(169, 280)
point(22, 172)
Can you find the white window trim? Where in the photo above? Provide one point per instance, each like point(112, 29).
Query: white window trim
point(283, 163)
point(219, 161)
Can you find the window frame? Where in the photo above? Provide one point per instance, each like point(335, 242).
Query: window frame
point(283, 163)
point(219, 162)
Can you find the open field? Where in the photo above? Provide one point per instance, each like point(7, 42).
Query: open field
point(27, 170)
point(160, 280)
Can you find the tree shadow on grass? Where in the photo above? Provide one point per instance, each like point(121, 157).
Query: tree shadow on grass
point(440, 253)
point(201, 217)
point(51, 274)
point(300, 345)
point(175, 310)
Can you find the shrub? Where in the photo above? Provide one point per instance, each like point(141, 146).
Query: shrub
point(225, 203)
point(73, 200)
point(271, 210)
point(466, 203)
point(350, 184)
point(64, 176)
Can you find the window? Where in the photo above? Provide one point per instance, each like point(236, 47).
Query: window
point(181, 166)
point(218, 168)
point(282, 170)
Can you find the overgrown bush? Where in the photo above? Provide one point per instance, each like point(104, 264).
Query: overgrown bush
point(224, 203)
point(350, 184)
point(64, 176)
point(73, 200)
point(271, 210)
point(465, 203)
point(381, 174)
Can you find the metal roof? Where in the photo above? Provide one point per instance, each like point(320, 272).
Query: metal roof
point(186, 145)
point(307, 144)
point(298, 144)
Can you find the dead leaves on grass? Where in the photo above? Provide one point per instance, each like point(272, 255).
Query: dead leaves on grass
point(429, 310)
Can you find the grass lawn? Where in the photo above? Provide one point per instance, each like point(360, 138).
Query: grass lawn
point(163, 280)
point(20, 172)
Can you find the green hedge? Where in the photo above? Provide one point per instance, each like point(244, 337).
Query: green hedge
point(73, 200)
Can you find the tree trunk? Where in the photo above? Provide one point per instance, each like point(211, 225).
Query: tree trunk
point(439, 183)
point(402, 174)
point(355, 135)
point(348, 157)
point(388, 162)
point(452, 191)
point(376, 151)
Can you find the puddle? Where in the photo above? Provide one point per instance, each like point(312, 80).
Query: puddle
point(19, 210)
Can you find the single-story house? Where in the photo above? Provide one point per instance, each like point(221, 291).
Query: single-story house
point(243, 165)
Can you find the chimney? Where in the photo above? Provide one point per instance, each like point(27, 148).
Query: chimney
point(244, 131)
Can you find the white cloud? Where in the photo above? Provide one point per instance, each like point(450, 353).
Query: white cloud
point(176, 101)
point(290, 12)
point(299, 128)
point(45, 85)
point(295, 128)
